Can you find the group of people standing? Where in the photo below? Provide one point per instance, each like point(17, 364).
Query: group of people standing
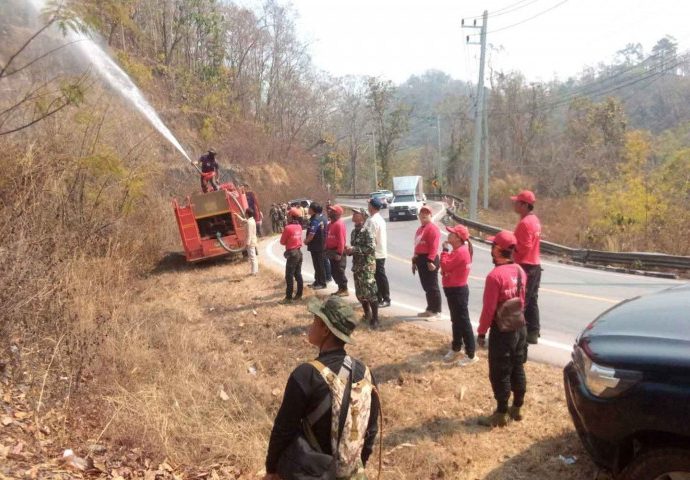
point(327, 242)
point(514, 280)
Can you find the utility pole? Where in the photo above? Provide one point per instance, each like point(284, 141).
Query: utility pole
point(439, 174)
point(477, 144)
point(485, 138)
point(376, 175)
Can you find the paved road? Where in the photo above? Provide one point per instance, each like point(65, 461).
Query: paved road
point(569, 298)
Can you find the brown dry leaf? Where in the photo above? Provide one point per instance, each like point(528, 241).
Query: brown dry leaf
point(7, 398)
point(165, 466)
point(6, 421)
point(275, 392)
point(17, 449)
point(20, 415)
point(214, 475)
point(223, 396)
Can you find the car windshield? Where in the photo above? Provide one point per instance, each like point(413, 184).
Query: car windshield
point(377, 195)
point(405, 198)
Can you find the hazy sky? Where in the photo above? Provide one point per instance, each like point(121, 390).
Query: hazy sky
point(397, 38)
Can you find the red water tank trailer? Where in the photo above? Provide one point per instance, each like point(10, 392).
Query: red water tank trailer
point(208, 228)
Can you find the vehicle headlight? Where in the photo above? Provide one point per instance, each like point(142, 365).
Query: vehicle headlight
point(601, 381)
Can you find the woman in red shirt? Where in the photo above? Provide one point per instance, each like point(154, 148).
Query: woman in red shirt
point(456, 261)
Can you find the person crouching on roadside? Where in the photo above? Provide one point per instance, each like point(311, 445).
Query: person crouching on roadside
point(363, 249)
point(456, 261)
point(507, 350)
point(292, 239)
point(312, 410)
point(426, 261)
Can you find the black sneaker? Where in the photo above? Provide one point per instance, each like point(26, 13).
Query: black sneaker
point(319, 287)
point(533, 337)
point(384, 304)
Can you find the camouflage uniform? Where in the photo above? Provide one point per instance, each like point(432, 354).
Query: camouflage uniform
point(363, 264)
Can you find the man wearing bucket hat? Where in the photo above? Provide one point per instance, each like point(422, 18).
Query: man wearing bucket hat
point(426, 261)
point(362, 250)
point(507, 349)
point(456, 261)
point(336, 238)
point(307, 401)
point(528, 235)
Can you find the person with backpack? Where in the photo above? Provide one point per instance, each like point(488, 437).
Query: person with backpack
point(327, 423)
point(456, 261)
point(502, 313)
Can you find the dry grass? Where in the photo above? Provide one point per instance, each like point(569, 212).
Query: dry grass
point(189, 332)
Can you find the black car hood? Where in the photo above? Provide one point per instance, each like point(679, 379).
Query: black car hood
point(652, 331)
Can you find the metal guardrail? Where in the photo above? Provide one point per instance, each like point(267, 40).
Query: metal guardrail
point(635, 260)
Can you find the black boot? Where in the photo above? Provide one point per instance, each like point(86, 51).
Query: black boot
point(367, 311)
point(374, 324)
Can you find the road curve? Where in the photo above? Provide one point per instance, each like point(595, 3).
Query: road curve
point(569, 298)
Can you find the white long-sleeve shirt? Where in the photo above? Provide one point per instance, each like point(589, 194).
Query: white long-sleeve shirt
point(377, 226)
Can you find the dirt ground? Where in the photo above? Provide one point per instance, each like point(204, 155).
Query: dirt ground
point(196, 374)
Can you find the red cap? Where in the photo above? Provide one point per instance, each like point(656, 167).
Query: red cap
point(294, 212)
point(336, 208)
point(425, 209)
point(504, 239)
point(460, 230)
point(526, 196)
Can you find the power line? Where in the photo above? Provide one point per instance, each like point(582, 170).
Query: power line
point(527, 19)
point(502, 9)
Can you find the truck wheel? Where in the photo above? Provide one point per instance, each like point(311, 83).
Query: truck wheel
point(659, 464)
point(391, 219)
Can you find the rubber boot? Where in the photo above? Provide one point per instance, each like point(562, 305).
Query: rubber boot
point(367, 311)
point(514, 413)
point(496, 419)
point(374, 324)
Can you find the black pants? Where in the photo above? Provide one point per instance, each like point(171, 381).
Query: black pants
point(293, 271)
point(382, 281)
point(531, 296)
point(327, 269)
point(319, 269)
point(338, 270)
point(429, 281)
point(507, 357)
point(460, 319)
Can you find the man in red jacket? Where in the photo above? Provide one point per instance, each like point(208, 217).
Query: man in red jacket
point(507, 350)
point(426, 261)
point(528, 235)
point(292, 239)
point(335, 246)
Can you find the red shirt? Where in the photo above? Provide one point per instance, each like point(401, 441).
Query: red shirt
point(292, 236)
point(455, 267)
point(500, 285)
point(335, 239)
point(426, 241)
point(528, 235)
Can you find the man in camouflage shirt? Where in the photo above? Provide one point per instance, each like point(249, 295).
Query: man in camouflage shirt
point(362, 249)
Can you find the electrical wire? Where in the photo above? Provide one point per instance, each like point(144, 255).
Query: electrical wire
point(502, 10)
point(523, 21)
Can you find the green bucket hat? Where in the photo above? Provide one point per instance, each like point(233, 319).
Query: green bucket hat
point(338, 316)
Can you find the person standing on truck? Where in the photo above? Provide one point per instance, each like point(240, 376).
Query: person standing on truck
point(377, 226)
point(456, 261)
point(335, 248)
point(528, 235)
point(208, 165)
point(426, 261)
point(315, 241)
point(291, 238)
point(251, 242)
point(507, 350)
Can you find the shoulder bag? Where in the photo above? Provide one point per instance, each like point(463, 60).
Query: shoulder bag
point(509, 315)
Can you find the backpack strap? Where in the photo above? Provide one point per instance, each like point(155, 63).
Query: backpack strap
point(325, 405)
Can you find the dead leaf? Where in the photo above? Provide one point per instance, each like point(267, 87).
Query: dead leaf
point(7, 421)
point(275, 392)
point(165, 466)
point(20, 415)
point(17, 449)
point(214, 475)
point(223, 396)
